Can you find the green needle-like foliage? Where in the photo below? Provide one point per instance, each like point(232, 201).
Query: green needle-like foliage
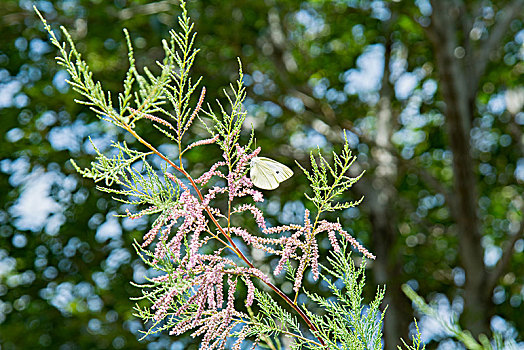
point(348, 322)
point(135, 177)
point(330, 181)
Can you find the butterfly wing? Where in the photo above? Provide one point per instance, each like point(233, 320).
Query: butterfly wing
point(279, 170)
point(262, 177)
point(267, 173)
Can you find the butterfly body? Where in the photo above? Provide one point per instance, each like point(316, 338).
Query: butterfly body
point(267, 174)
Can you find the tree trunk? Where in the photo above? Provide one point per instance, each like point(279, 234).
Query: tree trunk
point(380, 198)
point(459, 113)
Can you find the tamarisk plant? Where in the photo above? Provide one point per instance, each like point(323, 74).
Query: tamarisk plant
point(193, 242)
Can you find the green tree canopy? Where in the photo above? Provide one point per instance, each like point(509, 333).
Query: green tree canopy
point(430, 93)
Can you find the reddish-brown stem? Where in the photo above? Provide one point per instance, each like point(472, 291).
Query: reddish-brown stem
point(233, 245)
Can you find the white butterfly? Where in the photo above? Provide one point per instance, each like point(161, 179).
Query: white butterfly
point(267, 173)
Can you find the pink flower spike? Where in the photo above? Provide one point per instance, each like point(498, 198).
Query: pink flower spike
point(213, 171)
point(314, 259)
point(291, 244)
point(257, 214)
point(150, 236)
point(203, 142)
point(299, 275)
point(250, 292)
point(176, 180)
point(333, 240)
point(153, 118)
point(197, 109)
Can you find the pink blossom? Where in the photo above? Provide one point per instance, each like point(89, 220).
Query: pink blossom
point(193, 289)
point(177, 181)
point(151, 234)
point(333, 240)
point(314, 259)
point(195, 111)
point(299, 275)
point(335, 226)
point(289, 248)
point(211, 194)
point(257, 196)
point(152, 117)
point(213, 171)
point(250, 292)
point(257, 214)
point(203, 142)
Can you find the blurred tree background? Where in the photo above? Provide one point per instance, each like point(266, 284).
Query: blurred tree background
point(431, 92)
